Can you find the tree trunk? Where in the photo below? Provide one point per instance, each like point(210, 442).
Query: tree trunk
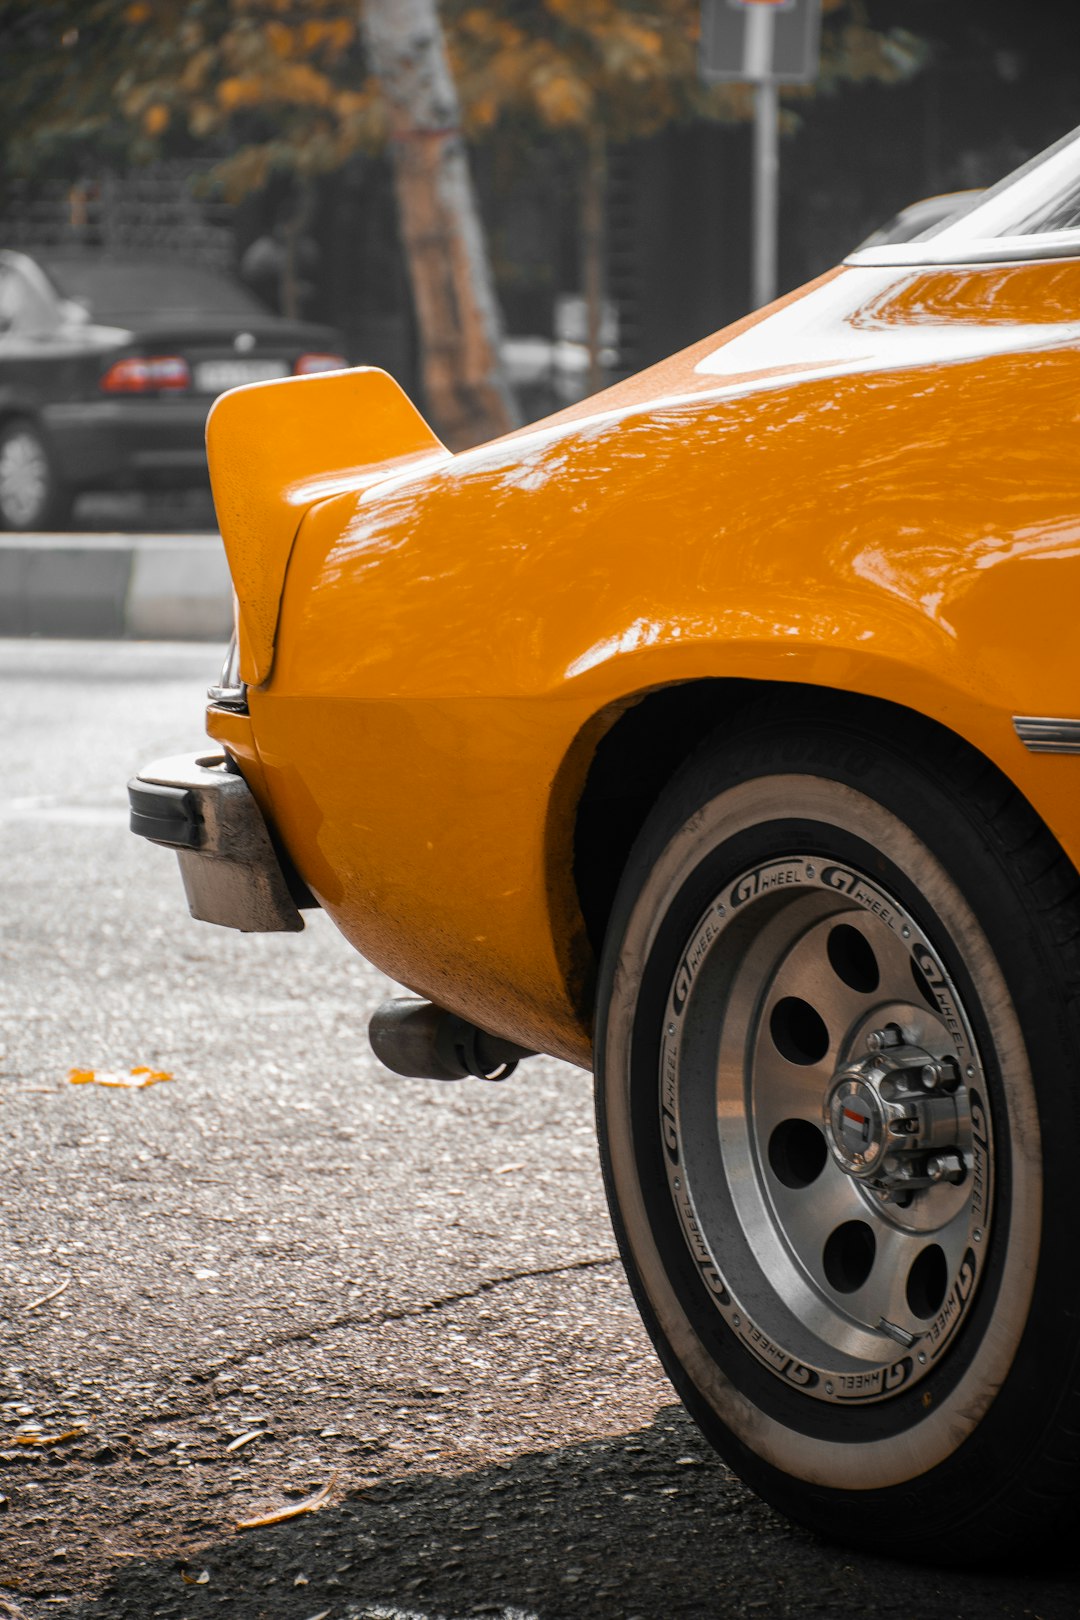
point(466, 387)
point(594, 182)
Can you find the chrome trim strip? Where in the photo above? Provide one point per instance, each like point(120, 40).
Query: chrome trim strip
point(229, 697)
point(229, 691)
point(1046, 734)
point(957, 255)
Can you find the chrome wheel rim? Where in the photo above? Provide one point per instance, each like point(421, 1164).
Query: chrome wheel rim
point(24, 478)
point(829, 1146)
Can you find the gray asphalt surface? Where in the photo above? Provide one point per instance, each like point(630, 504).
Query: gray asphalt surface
point(402, 1291)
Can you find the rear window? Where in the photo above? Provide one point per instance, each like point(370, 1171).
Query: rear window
point(123, 291)
point(1042, 196)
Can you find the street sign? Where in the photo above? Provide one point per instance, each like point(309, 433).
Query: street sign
point(763, 41)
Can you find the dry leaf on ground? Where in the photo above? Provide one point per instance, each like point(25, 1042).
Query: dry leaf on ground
point(308, 1505)
point(48, 1439)
point(136, 1079)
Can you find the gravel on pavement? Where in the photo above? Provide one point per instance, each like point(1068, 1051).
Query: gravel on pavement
point(284, 1269)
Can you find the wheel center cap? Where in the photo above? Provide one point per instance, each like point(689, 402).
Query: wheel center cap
point(857, 1125)
point(898, 1119)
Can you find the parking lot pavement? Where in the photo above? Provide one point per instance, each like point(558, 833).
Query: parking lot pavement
point(283, 1272)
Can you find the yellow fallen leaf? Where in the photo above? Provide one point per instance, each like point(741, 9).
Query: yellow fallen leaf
point(308, 1505)
point(135, 1080)
point(48, 1439)
point(196, 1580)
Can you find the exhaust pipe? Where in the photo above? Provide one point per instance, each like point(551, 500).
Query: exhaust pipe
point(416, 1038)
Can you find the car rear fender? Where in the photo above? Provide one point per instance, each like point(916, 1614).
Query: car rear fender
point(275, 449)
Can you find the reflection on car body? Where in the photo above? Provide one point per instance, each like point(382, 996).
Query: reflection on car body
point(719, 733)
point(108, 366)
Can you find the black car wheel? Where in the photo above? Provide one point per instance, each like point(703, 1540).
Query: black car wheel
point(32, 496)
point(837, 1112)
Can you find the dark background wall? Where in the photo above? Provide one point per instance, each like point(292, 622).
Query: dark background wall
point(1002, 81)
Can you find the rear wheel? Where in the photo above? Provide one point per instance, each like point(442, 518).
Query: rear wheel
point(32, 496)
point(838, 1119)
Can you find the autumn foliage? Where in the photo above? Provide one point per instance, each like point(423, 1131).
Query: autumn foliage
point(269, 86)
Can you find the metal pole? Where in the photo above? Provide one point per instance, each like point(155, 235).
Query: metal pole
point(766, 191)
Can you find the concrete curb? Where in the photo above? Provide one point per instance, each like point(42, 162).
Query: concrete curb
point(174, 587)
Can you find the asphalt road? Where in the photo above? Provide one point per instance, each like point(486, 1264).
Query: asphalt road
point(284, 1269)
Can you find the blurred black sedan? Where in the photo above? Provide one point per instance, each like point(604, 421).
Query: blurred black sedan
point(108, 367)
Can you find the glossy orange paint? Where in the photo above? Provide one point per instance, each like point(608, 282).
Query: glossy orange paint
point(273, 455)
point(233, 734)
point(870, 487)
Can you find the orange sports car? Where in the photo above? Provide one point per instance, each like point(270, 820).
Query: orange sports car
point(720, 734)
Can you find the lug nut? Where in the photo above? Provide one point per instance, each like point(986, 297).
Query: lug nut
point(879, 1039)
point(943, 1071)
point(945, 1167)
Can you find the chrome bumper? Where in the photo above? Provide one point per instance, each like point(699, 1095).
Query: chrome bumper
point(204, 810)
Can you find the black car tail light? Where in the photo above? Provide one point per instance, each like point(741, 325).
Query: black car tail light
point(307, 363)
point(141, 374)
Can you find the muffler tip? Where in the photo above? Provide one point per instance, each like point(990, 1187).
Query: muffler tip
point(415, 1038)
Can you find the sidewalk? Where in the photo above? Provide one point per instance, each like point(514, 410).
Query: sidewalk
point(150, 586)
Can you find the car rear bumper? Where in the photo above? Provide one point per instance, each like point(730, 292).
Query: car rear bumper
point(97, 443)
point(202, 808)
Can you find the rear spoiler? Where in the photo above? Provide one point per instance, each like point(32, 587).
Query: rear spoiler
point(275, 448)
